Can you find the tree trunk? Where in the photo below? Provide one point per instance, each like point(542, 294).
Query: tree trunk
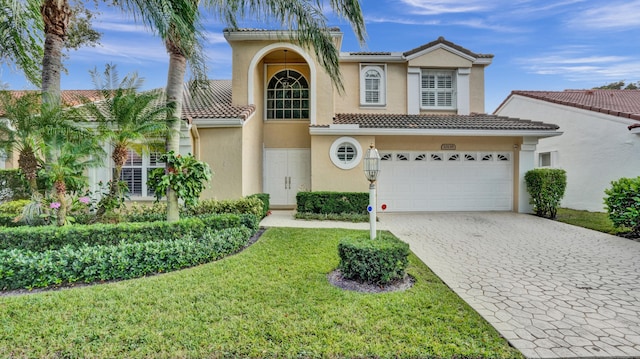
point(175, 83)
point(28, 163)
point(56, 15)
point(61, 190)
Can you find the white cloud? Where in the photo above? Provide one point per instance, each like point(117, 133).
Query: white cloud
point(622, 15)
point(436, 7)
point(575, 64)
point(126, 52)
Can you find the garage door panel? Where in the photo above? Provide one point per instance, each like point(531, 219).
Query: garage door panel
point(456, 185)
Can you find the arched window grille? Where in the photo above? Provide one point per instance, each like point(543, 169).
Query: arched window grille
point(288, 96)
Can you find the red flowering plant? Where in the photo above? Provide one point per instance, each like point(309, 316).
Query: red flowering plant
point(184, 174)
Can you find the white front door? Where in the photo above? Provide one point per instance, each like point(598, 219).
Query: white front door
point(286, 171)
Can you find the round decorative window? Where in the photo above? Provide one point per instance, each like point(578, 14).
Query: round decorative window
point(345, 153)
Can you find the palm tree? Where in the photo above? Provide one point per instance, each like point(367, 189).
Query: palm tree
point(21, 37)
point(67, 171)
point(303, 16)
point(21, 132)
point(125, 118)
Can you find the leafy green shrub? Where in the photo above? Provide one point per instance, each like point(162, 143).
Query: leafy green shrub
point(332, 202)
point(546, 187)
point(264, 197)
point(185, 175)
point(378, 261)
point(244, 205)
point(39, 239)
point(623, 204)
point(20, 268)
point(13, 185)
point(14, 207)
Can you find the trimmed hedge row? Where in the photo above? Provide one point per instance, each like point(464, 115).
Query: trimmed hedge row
point(40, 239)
point(21, 268)
point(377, 261)
point(332, 202)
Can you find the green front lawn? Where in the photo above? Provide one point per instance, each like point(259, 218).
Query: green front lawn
point(271, 300)
point(598, 221)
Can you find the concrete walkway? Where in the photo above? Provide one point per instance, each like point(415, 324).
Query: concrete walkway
point(551, 289)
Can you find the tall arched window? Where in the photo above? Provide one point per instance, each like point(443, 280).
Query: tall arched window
point(288, 96)
point(372, 85)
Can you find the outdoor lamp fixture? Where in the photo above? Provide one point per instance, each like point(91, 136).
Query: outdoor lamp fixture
point(371, 171)
point(285, 82)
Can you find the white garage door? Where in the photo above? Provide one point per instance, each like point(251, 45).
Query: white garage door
point(446, 181)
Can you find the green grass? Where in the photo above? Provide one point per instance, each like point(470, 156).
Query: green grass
point(598, 221)
point(271, 300)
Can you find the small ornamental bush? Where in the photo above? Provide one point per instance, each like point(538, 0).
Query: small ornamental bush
point(13, 207)
point(623, 204)
point(546, 187)
point(264, 197)
point(13, 185)
point(252, 206)
point(377, 261)
point(332, 202)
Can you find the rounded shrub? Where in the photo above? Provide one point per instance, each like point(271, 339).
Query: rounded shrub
point(377, 261)
point(623, 204)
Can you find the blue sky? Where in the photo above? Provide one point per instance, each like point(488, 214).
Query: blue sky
point(538, 44)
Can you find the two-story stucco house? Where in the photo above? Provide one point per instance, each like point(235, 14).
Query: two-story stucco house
point(280, 126)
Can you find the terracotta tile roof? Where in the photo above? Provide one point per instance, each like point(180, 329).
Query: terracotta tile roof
point(365, 53)
point(213, 101)
point(441, 40)
point(621, 103)
point(68, 97)
point(457, 122)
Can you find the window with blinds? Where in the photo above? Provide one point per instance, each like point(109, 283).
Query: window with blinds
point(438, 89)
point(136, 169)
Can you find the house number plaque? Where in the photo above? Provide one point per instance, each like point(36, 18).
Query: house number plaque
point(448, 146)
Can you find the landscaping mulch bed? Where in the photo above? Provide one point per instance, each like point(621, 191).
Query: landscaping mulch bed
point(336, 279)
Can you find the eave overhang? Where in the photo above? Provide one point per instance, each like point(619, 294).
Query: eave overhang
point(355, 130)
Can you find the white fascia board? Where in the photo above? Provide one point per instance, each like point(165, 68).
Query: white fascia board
point(217, 122)
point(394, 57)
point(343, 131)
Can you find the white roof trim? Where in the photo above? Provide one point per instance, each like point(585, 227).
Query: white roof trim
point(394, 57)
point(342, 131)
point(444, 47)
point(217, 122)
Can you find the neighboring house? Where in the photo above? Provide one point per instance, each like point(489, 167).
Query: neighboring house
point(280, 126)
point(601, 140)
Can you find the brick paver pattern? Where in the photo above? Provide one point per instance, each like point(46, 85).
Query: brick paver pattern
point(551, 289)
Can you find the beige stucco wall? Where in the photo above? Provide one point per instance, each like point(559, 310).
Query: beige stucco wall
point(395, 90)
point(439, 58)
point(252, 158)
point(221, 148)
point(287, 134)
point(325, 176)
point(476, 88)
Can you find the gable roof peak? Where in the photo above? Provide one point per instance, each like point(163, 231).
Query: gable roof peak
point(442, 41)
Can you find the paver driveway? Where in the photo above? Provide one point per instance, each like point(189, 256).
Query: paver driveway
point(551, 289)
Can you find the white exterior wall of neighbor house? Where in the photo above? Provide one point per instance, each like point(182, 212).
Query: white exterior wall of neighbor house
point(594, 149)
